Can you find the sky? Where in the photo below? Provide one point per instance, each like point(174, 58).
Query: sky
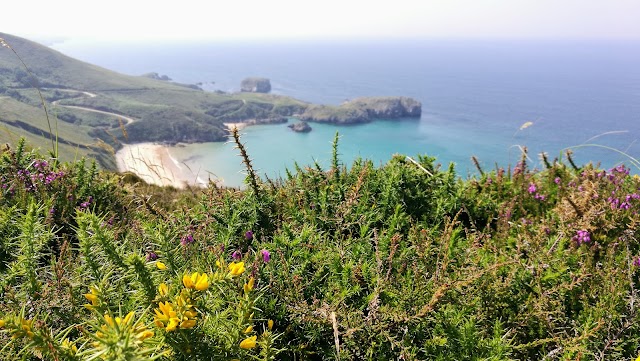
point(153, 20)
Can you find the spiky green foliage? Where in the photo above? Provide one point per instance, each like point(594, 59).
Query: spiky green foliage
point(405, 260)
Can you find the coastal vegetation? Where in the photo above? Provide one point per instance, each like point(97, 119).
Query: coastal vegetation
point(401, 261)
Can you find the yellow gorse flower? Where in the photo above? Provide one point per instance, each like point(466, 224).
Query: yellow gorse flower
point(196, 281)
point(173, 316)
point(270, 324)
point(24, 330)
point(248, 287)
point(93, 296)
point(188, 324)
point(163, 289)
point(1, 323)
point(161, 266)
point(236, 269)
point(71, 346)
point(166, 314)
point(248, 329)
point(249, 342)
point(173, 324)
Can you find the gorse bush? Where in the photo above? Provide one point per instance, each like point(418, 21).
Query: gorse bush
point(402, 261)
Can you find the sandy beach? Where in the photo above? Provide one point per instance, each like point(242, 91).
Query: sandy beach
point(239, 126)
point(154, 163)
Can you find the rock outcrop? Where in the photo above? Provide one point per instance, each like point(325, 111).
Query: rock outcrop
point(156, 76)
point(363, 110)
point(255, 85)
point(300, 127)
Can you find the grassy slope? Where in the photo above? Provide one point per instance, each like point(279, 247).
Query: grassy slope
point(166, 111)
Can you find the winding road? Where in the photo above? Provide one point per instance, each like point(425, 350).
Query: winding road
point(55, 103)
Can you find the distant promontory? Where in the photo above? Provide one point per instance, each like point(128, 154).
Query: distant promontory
point(363, 110)
point(255, 85)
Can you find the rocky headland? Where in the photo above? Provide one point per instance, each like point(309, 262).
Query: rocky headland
point(363, 110)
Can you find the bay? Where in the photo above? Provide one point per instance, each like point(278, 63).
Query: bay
point(476, 95)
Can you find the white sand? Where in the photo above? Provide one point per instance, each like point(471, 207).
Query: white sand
point(239, 126)
point(154, 163)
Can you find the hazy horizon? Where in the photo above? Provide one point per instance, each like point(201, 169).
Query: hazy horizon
point(126, 21)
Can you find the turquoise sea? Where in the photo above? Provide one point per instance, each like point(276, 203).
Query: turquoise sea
point(476, 95)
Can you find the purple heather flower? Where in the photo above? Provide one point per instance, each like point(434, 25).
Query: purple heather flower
point(540, 197)
point(636, 261)
point(266, 256)
point(582, 236)
point(248, 235)
point(236, 255)
point(151, 256)
point(557, 180)
point(532, 188)
point(186, 240)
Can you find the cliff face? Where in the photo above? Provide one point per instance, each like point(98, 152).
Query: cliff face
point(388, 107)
point(363, 110)
point(255, 85)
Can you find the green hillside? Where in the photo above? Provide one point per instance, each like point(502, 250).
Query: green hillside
point(161, 111)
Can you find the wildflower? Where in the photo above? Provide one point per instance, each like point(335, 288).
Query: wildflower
point(557, 180)
point(532, 188)
point(161, 266)
point(173, 324)
point(144, 334)
point(236, 269)
point(196, 281)
point(93, 297)
point(163, 289)
point(152, 256)
point(237, 255)
point(248, 343)
point(248, 330)
point(71, 346)
point(186, 240)
point(1, 323)
point(636, 261)
point(186, 324)
point(270, 324)
point(582, 236)
point(166, 314)
point(266, 256)
point(24, 330)
point(248, 287)
point(248, 235)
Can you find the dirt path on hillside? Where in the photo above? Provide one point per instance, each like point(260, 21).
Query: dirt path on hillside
point(56, 103)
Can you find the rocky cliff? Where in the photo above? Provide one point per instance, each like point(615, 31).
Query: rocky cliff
point(363, 110)
point(255, 85)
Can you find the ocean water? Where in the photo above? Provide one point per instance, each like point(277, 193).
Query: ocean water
point(476, 95)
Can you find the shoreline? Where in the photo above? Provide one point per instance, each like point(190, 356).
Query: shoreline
point(154, 163)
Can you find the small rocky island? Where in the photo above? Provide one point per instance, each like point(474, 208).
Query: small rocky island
point(255, 85)
point(300, 127)
point(363, 110)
